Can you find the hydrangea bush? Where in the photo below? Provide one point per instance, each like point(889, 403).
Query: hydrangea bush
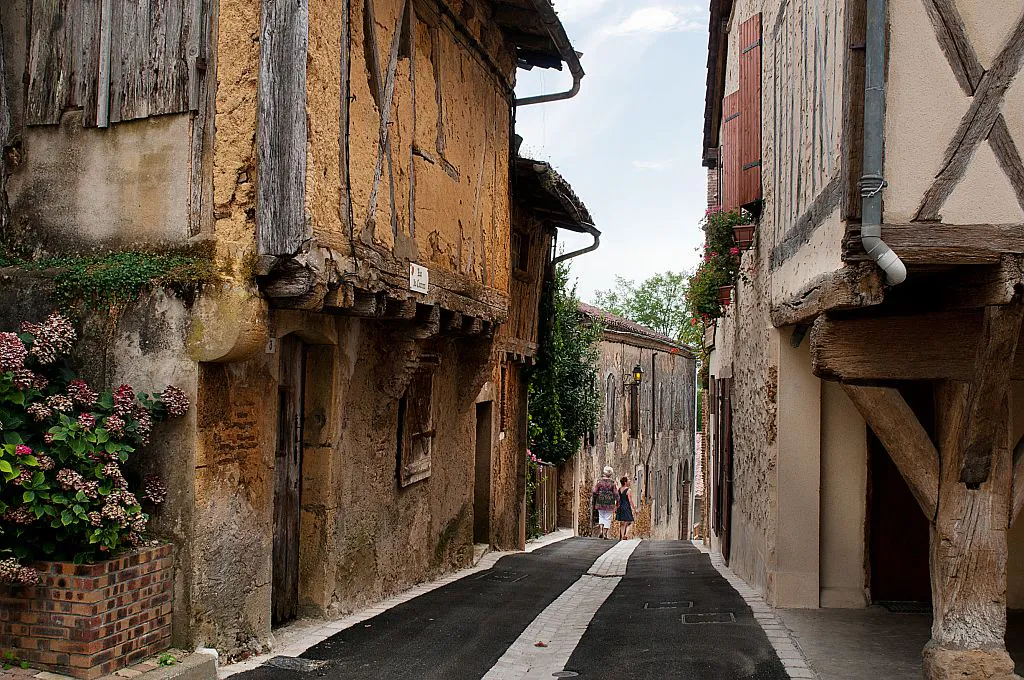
point(64, 494)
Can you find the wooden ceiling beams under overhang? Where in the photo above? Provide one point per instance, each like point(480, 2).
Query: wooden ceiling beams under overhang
point(718, 41)
point(526, 29)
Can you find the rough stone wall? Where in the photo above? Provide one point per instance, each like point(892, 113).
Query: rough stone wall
point(653, 463)
point(511, 439)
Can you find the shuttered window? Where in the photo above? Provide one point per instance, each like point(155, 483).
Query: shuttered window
point(749, 157)
point(115, 60)
point(740, 155)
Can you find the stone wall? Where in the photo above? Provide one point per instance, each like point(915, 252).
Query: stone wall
point(657, 460)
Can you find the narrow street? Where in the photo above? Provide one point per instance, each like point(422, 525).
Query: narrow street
point(602, 609)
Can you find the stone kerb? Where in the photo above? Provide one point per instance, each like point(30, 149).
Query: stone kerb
point(88, 620)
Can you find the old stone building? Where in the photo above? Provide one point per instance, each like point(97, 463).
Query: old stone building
point(863, 403)
point(646, 428)
point(347, 170)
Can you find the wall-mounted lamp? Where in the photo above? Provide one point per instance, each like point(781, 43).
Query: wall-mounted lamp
point(637, 376)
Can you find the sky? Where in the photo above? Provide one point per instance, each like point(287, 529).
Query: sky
point(630, 142)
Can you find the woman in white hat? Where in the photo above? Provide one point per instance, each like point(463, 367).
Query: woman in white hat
point(603, 498)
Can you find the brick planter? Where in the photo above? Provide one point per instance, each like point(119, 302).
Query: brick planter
point(88, 620)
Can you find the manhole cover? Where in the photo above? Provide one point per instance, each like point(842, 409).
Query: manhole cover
point(292, 663)
point(502, 576)
point(713, 617)
point(668, 605)
point(565, 674)
point(900, 607)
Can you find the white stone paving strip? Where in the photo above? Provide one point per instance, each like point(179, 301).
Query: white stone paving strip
point(786, 648)
point(295, 638)
point(561, 625)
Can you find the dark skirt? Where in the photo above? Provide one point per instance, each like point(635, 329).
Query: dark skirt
point(624, 513)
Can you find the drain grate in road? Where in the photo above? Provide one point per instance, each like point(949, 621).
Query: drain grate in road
point(901, 607)
point(502, 576)
point(712, 617)
point(680, 604)
point(565, 674)
point(292, 663)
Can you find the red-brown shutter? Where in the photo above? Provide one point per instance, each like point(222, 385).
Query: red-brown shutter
point(729, 154)
point(749, 157)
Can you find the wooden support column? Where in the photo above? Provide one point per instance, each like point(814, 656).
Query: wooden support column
point(968, 544)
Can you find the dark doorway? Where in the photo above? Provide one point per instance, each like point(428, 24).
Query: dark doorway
point(898, 531)
point(482, 487)
point(287, 477)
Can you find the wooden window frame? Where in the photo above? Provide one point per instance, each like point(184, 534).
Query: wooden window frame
point(415, 443)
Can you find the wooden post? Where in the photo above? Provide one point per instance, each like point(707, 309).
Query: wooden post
point(968, 549)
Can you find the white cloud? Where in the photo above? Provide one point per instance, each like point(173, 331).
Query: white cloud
point(574, 10)
point(659, 19)
point(654, 165)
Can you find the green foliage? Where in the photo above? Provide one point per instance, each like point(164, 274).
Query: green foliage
point(111, 279)
point(721, 265)
point(564, 403)
point(658, 303)
point(532, 511)
point(63, 446)
point(166, 659)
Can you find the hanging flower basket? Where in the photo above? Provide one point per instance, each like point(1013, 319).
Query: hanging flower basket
point(743, 235)
point(725, 295)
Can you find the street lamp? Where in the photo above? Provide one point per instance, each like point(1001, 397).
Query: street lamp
point(638, 375)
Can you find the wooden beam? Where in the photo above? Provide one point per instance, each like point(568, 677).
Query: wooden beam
point(976, 124)
point(970, 287)
point(909, 446)
point(281, 226)
point(1017, 496)
point(849, 288)
point(996, 348)
point(925, 243)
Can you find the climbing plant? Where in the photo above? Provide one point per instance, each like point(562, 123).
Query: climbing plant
point(564, 403)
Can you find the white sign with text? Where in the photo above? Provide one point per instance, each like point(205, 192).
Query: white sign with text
point(419, 278)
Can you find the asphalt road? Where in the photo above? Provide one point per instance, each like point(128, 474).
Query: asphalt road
point(671, 616)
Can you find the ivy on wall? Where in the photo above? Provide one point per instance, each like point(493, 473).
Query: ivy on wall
point(564, 402)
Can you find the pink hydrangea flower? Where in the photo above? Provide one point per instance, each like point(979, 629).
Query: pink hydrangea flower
point(22, 450)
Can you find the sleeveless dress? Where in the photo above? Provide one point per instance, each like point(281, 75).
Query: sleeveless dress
point(625, 511)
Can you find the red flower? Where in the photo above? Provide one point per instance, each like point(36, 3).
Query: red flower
point(734, 251)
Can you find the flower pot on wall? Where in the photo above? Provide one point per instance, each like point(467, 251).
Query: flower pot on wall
point(725, 295)
point(743, 235)
point(98, 617)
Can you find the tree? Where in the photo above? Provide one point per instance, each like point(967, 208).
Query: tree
point(564, 404)
point(658, 303)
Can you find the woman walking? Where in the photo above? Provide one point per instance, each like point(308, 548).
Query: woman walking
point(624, 509)
point(603, 499)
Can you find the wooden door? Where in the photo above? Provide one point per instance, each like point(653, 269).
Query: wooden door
point(725, 397)
point(899, 532)
point(482, 486)
point(287, 476)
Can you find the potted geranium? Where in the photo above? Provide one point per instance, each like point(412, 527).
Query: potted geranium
point(72, 518)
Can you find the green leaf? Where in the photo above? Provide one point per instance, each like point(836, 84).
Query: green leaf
point(6, 467)
point(30, 460)
point(12, 438)
point(28, 496)
point(17, 398)
point(66, 518)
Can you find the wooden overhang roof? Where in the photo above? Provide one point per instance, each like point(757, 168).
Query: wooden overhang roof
point(718, 40)
point(539, 187)
point(536, 31)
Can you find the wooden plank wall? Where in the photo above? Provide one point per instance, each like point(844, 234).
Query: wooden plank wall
point(154, 50)
point(729, 153)
point(749, 160)
point(281, 144)
point(526, 288)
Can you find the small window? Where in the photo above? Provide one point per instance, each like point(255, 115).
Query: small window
point(416, 428)
point(609, 408)
point(520, 252)
point(634, 411)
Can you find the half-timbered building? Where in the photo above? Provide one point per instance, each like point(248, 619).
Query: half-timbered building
point(347, 168)
point(864, 402)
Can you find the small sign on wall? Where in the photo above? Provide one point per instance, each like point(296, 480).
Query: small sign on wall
point(419, 278)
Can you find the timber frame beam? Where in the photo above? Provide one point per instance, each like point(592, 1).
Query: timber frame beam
point(909, 446)
point(851, 287)
point(932, 243)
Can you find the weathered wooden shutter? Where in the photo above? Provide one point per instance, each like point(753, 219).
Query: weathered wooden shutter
point(114, 59)
point(729, 154)
point(749, 157)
